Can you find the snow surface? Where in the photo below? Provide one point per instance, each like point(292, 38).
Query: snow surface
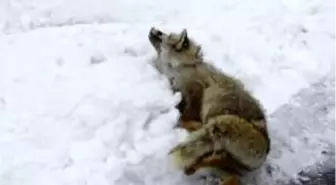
point(81, 105)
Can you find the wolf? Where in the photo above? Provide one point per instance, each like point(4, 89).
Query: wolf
point(227, 125)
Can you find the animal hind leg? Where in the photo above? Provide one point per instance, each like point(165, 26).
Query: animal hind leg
point(212, 161)
point(217, 163)
point(227, 178)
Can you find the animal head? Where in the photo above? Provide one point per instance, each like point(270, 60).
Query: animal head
point(176, 48)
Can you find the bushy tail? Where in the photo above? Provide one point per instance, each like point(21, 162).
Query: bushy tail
point(193, 149)
point(225, 135)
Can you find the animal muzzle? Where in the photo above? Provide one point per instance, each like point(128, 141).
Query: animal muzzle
point(155, 37)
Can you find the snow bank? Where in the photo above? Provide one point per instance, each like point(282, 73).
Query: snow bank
point(80, 104)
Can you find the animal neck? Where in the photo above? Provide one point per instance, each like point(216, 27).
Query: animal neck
point(177, 63)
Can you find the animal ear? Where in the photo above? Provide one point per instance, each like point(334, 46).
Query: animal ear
point(184, 34)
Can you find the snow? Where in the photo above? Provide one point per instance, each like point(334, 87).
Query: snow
point(80, 104)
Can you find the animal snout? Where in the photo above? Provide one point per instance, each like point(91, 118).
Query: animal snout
point(157, 34)
point(156, 38)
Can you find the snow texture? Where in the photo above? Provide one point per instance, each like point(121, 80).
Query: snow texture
point(81, 105)
point(311, 137)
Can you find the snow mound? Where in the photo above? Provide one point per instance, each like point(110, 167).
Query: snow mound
point(80, 104)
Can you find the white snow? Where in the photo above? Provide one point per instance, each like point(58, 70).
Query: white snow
point(80, 104)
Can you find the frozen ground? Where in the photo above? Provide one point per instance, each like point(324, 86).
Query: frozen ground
point(80, 104)
point(308, 119)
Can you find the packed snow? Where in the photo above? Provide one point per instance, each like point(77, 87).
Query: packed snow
point(80, 103)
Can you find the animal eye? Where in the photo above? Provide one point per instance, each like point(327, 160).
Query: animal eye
point(159, 33)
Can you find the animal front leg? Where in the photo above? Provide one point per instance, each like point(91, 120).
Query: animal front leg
point(190, 126)
point(189, 108)
point(187, 117)
point(186, 121)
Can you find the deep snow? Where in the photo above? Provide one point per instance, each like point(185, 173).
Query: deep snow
point(80, 104)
